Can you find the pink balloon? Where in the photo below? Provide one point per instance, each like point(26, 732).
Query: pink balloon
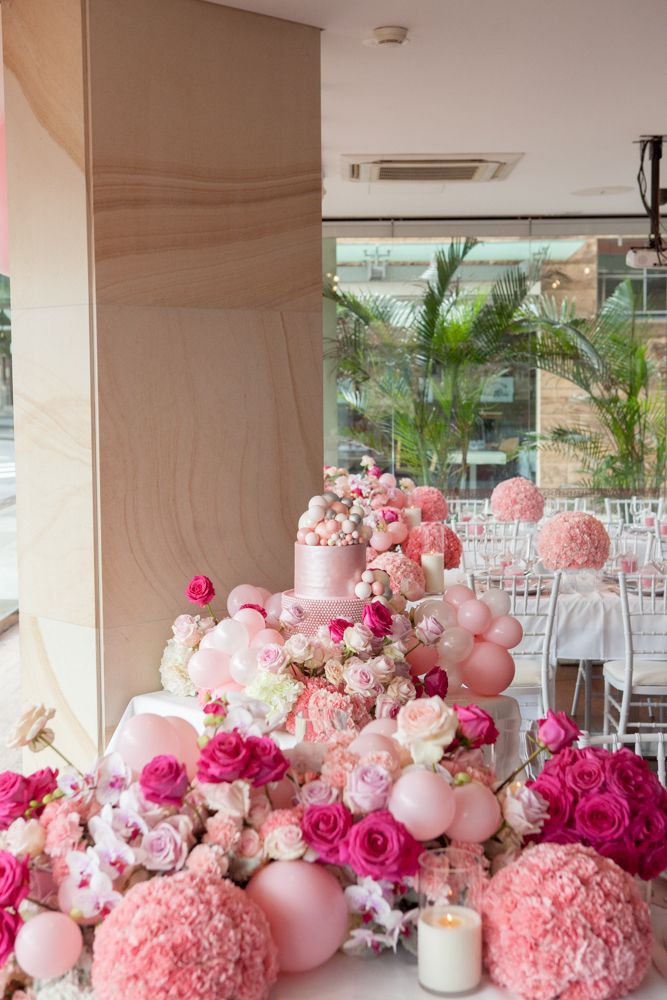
point(188, 736)
point(455, 645)
point(306, 910)
point(209, 641)
point(398, 499)
point(424, 802)
point(273, 608)
point(381, 541)
point(505, 631)
point(243, 666)
point(488, 670)
point(48, 945)
point(458, 595)
point(265, 596)
point(208, 668)
point(385, 727)
point(251, 620)
point(445, 613)
point(497, 600)
point(474, 616)
point(146, 736)
point(477, 814)
point(386, 479)
point(243, 594)
point(265, 636)
point(422, 659)
point(282, 793)
point(376, 743)
point(230, 636)
point(398, 532)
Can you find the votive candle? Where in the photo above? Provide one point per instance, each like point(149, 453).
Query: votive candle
point(413, 515)
point(449, 948)
point(433, 565)
point(628, 564)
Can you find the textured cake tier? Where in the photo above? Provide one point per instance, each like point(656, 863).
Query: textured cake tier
point(318, 611)
point(326, 571)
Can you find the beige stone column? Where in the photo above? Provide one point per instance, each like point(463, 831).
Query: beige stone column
point(165, 237)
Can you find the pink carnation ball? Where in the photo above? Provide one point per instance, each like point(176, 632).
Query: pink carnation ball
point(562, 921)
point(572, 540)
point(431, 503)
point(434, 538)
point(185, 937)
point(403, 573)
point(517, 499)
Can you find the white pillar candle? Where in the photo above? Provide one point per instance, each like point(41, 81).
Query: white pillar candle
point(449, 949)
point(433, 564)
point(413, 515)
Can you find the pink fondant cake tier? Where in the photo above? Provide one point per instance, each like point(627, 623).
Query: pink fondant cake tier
point(328, 571)
point(320, 611)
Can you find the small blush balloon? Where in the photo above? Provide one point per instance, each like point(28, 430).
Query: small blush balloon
point(208, 668)
point(243, 666)
point(264, 637)
point(375, 743)
point(436, 608)
point(190, 749)
point(422, 659)
point(474, 616)
point(477, 813)
point(243, 594)
point(455, 645)
point(252, 621)
point(48, 945)
point(488, 670)
point(387, 480)
point(230, 636)
point(498, 601)
point(265, 596)
point(385, 727)
point(273, 608)
point(424, 802)
point(458, 595)
point(505, 631)
point(146, 736)
point(398, 532)
point(381, 541)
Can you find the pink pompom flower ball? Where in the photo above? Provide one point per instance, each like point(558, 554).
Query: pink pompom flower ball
point(185, 935)
point(517, 499)
point(431, 503)
point(434, 538)
point(572, 540)
point(562, 921)
point(404, 574)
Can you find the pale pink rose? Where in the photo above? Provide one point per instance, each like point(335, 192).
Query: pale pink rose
point(163, 849)
point(186, 631)
point(524, 810)
point(359, 678)
point(426, 726)
point(401, 689)
point(298, 648)
point(231, 799)
point(207, 861)
point(260, 807)
point(368, 787)
point(25, 838)
point(383, 668)
point(386, 707)
point(250, 845)
point(292, 617)
point(317, 793)
point(285, 843)
point(272, 657)
point(333, 671)
point(429, 630)
point(358, 638)
point(401, 626)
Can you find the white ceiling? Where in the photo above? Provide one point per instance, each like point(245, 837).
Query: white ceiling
point(568, 83)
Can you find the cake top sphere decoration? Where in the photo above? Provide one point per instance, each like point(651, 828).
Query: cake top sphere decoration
point(332, 520)
point(517, 499)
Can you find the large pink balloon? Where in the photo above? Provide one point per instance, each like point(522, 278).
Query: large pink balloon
point(422, 659)
point(243, 594)
point(458, 595)
point(381, 541)
point(398, 532)
point(265, 636)
point(455, 645)
point(505, 631)
point(497, 600)
point(190, 749)
point(385, 727)
point(306, 910)
point(230, 636)
point(445, 613)
point(376, 743)
point(273, 608)
point(243, 666)
point(48, 945)
point(208, 668)
point(477, 813)
point(265, 596)
point(424, 802)
point(475, 616)
point(251, 620)
point(488, 670)
point(146, 736)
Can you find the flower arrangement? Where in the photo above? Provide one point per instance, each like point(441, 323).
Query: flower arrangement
point(517, 499)
point(406, 576)
point(434, 538)
point(431, 502)
point(610, 801)
point(573, 540)
point(563, 921)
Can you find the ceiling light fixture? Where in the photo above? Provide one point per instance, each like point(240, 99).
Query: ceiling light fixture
point(389, 36)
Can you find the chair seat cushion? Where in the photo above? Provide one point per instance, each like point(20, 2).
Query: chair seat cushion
point(645, 673)
point(528, 672)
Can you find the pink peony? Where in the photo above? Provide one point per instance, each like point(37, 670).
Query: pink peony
point(325, 828)
point(431, 503)
point(223, 831)
point(337, 628)
point(557, 731)
point(200, 590)
point(434, 538)
point(378, 619)
point(164, 780)
point(13, 880)
point(476, 726)
point(562, 921)
point(517, 499)
point(571, 540)
point(381, 847)
point(207, 860)
point(185, 937)
point(224, 758)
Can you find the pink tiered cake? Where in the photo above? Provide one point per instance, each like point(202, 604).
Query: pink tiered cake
point(324, 582)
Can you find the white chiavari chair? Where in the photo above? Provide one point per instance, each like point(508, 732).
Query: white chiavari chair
point(556, 505)
point(637, 546)
point(652, 744)
point(533, 600)
point(618, 510)
point(639, 680)
point(492, 543)
point(460, 508)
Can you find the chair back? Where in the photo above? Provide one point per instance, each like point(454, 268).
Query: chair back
point(653, 744)
point(634, 510)
point(489, 544)
point(556, 505)
point(466, 508)
point(618, 510)
point(637, 545)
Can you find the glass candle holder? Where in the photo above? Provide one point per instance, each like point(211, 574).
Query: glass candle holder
point(449, 943)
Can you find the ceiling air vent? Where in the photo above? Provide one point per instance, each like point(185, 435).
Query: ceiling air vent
point(430, 168)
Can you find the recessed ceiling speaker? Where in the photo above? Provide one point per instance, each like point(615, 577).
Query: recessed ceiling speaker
point(390, 35)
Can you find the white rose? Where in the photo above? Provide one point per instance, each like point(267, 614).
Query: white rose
point(358, 638)
point(333, 671)
point(285, 843)
point(383, 668)
point(426, 726)
point(298, 648)
point(32, 724)
point(25, 838)
point(186, 631)
point(523, 809)
point(401, 689)
point(359, 678)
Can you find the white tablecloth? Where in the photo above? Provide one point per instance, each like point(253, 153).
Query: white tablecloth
point(160, 703)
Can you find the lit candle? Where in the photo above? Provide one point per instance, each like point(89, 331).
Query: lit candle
point(413, 515)
point(449, 949)
point(433, 564)
point(663, 529)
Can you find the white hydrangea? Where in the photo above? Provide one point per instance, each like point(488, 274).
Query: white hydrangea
point(277, 691)
point(174, 669)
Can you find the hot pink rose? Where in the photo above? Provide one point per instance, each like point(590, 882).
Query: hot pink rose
point(601, 818)
point(648, 825)
point(15, 796)
point(164, 780)
point(378, 619)
point(630, 775)
point(267, 761)
point(42, 783)
point(254, 607)
point(10, 924)
point(381, 847)
point(324, 829)
point(623, 852)
point(559, 799)
point(337, 628)
point(475, 725)
point(585, 774)
point(653, 861)
point(436, 682)
point(14, 877)
point(200, 590)
point(557, 731)
point(224, 758)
